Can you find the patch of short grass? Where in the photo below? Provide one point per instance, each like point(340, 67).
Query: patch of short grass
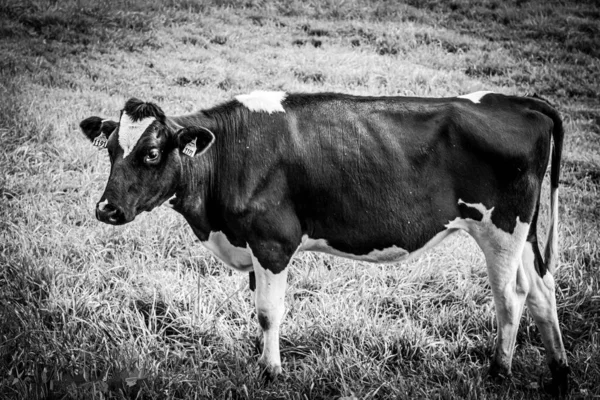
point(89, 310)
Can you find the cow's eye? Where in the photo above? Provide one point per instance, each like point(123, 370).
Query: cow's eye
point(153, 156)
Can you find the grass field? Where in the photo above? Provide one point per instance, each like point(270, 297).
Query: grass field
point(143, 311)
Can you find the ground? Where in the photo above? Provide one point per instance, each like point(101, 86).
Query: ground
point(142, 311)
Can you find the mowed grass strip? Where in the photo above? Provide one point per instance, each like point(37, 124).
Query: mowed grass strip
point(93, 311)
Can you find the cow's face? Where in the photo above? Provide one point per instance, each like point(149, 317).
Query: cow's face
point(145, 151)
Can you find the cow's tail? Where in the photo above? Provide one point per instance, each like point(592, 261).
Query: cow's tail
point(551, 251)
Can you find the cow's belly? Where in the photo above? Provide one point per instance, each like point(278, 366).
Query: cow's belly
point(240, 258)
point(389, 255)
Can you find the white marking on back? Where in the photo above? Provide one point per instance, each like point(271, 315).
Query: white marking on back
point(237, 258)
point(475, 97)
point(263, 101)
point(130, 132)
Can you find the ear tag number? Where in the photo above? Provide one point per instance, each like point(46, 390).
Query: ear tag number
point(190, 148)
point(100, 141)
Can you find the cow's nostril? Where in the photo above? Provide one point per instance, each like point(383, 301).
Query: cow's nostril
point(109, 208)
point(117, 215)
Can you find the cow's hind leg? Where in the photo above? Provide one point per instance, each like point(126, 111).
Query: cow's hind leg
point(509, 287)
point(541, 302)
point(508, 282)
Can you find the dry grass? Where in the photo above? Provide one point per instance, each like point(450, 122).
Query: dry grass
point(142, 311)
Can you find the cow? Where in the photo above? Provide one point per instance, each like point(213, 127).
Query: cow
point(378, 179)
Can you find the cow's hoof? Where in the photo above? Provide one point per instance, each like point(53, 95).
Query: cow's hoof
point(559, 386)
point(499, 372)
point(269, 372)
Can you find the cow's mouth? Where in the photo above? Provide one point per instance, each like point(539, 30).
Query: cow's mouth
point(110, 214)
point(116, 221)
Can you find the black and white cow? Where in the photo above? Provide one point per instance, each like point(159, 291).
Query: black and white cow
point(378, 179)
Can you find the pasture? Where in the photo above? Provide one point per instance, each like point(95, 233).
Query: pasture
point(89, 310)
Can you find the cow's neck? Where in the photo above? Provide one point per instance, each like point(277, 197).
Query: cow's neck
point(200, 193)
point(193, 191)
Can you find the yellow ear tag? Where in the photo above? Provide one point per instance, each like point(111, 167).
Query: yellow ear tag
point(190, 148)
point(100, 141)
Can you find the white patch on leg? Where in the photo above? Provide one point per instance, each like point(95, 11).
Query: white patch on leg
point(503, 252)
point(548, 280)
point(270, 307)
point(263, 101)
point(131, 131)
point(237, 258)
point(541, 302)
point(527, 261)
point(475, 97)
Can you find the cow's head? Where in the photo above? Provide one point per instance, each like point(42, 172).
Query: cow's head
point(146, 150)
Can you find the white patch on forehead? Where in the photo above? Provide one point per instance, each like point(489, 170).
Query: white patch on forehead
point(130, 132)
point(475, 97)
point(263, 101)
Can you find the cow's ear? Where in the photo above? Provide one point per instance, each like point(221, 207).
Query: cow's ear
point(194, 140)
point(98, 130)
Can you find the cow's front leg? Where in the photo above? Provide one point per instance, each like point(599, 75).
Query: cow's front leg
point(269, 299)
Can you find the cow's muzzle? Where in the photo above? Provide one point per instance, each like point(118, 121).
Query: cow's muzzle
point(110, 213)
